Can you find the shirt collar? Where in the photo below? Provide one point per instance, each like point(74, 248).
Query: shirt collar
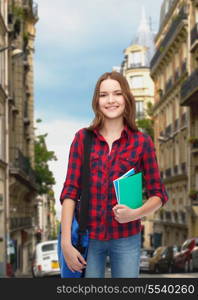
point(125, 132)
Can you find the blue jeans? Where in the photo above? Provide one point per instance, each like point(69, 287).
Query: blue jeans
point(124, 256)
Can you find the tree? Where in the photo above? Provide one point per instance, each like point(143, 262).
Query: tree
point(146, 124)
point(44, 177)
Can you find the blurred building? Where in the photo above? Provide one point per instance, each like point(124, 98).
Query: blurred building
point(25, 218)
point(46, 226)
point(136, 67)
point(189, 100)
point(22, 17)
point(52, 221)
point(173, 69)
point(3, 134)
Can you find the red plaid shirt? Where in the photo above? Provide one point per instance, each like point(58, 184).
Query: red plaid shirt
point(132, 149)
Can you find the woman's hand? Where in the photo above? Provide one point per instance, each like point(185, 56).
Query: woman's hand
point(75, 261)
point(124, 214)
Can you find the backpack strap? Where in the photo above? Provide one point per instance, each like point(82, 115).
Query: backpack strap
point(84, 200)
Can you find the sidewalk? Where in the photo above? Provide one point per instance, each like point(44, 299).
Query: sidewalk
point(22, 275)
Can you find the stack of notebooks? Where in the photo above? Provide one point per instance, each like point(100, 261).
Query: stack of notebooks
point(128, 189)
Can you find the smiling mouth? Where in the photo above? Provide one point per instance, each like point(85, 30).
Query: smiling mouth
point(112, 107)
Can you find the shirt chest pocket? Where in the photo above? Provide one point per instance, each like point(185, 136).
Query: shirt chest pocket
point(126, 163)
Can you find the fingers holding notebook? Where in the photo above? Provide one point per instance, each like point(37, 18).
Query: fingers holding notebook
point(124, 214)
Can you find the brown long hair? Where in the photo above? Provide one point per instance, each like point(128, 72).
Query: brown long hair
point(129, 112)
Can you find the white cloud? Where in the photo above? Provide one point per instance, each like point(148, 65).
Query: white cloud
point(60, 136)
point(66, 23)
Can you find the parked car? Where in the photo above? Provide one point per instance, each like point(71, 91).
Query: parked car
point(184, 261)
point(145, 255)
point(45, 259)
point(162, 259)
point(195, 257)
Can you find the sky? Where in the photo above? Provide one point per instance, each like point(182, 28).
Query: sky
point(76, 42)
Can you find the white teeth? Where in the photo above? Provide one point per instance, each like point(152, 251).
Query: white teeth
point(113, 107)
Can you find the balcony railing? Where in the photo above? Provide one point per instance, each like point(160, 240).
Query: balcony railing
point(136, 66)
point(22, 163)
point(189, 89)
point(20, 222)
point(182, 15)
point(173, 80)
point(194, 35)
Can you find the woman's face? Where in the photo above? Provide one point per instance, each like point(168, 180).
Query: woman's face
point(111, 100)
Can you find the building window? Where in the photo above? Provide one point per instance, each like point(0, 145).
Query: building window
point(196, 15)
point(139, 109)
point(136, 82)
point(135, 59)
point(196, 179)
point(1, 138)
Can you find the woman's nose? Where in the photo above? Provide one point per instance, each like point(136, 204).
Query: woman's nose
point(110, 98)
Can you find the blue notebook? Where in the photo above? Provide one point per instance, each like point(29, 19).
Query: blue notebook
point(116, 182)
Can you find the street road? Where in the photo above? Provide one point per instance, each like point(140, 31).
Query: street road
point(151, 275)
point(142, 275)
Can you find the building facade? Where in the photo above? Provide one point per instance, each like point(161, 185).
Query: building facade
point(52, 222)
point(3, 134)
point(171, 67)
point(189, 100)
point(46, 227)
point(25, 217)
point(22, 17)
point(136, 67)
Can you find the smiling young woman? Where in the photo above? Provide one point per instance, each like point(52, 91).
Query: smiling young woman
point(118, 145)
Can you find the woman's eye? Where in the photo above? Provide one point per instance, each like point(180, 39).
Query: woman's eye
point(118, 94)
point(102, 95)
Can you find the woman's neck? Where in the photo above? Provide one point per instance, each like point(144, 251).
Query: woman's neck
point(112, 128)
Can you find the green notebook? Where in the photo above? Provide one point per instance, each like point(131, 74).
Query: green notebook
point(130, 190)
